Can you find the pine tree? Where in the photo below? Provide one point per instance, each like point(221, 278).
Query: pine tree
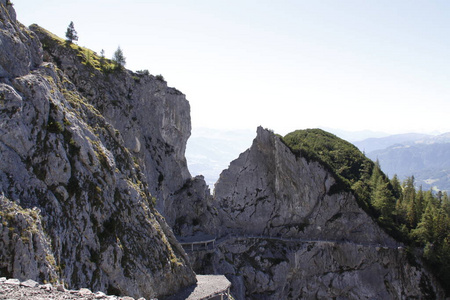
point(441, 225)
point(119, 58)
point(409, 190)
point(362, 187)
point(383, 200)
point(424, 233)
point(71, 33)
point(376, 174)
point(430, 198)
point(396, 187)
point(404, 202)
point(375, 179)
point(446, 203)
point(102, 58)
point(419, 206)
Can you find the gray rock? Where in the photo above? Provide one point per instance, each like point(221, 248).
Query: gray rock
point(285, 195)
point(21, 50)
point(47, 287)
point(75, 205)
point(13, 281)
point(154, 122)
point(292, 238)
point(85, 292)
point(100, 295)
point(152, 119)
point(29, 283)
point(60, 288)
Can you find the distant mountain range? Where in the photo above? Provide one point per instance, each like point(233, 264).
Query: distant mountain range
point(425, 156)
point(372, 144)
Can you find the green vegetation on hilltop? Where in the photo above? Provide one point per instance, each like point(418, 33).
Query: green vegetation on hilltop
point(87, 56)
point(417, 218)
point(344, 159)
point(351, 167)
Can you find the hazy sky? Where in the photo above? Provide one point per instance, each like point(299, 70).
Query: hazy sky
point(285, 65)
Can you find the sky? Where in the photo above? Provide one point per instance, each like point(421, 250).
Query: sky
point(351, 65)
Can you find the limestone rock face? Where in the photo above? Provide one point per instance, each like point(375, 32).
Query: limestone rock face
point(288, 232)
point(261, 268)
point(76, 206)
point(282, 195)
point(152, 118)
point(19, 46)
point(22, 238)
point(193, 207)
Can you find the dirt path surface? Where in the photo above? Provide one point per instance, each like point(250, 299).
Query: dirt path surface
point(206, 287)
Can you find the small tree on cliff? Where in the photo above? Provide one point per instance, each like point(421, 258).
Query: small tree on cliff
point(119, 58)
point(71, 33)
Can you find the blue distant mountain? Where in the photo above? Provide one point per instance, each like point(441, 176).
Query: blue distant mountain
point(426, 157)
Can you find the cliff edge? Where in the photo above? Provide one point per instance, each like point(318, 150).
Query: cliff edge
point(76, 207)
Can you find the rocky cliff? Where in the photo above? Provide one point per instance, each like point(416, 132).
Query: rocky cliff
point(289, 232)
point(77, 206)
point(91, 154)
point(153, 119)
point(154, 122)
point(289, 196)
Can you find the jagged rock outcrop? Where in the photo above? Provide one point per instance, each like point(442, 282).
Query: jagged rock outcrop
point(153, 119)
point(289, 232)
point(75, 205)
point(193, 207)
point(289, 196)
point(19, 48)
point(23, 239)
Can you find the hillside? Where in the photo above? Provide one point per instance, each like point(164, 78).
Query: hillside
point(400, 210)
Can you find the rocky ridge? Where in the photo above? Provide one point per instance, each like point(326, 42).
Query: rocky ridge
point(289, 196)
point(76, 207)
point(289, 233)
